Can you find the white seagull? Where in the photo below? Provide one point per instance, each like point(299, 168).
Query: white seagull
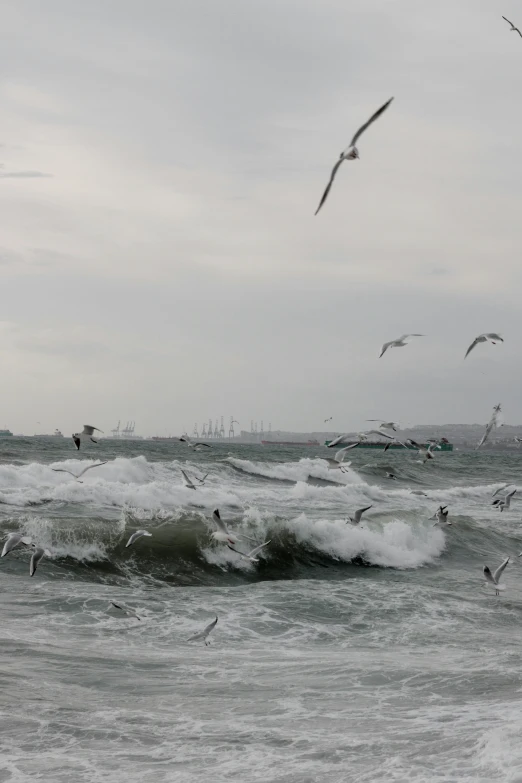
point(512, 26)
point(493, 579)
point(136, 535)
point(386, 425)
point(351, 152)
point(13, 540)
point(337, 462)
point(88, 431)
point(196, 446)
point(252, 554)
point(495, 421)
point(77, 475)
point(38, 553)
point(188, 483)
point(424, 452)
point(340, 439)
point(123, 609)
point(441, 516)
point(358, 514)
point(504, 502)
point(223, 534)
point(399, 343)
point(491, 337)
point(204, 633)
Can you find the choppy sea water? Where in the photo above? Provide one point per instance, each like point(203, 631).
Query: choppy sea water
point(347, 654)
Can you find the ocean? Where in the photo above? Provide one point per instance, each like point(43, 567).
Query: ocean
point(346, 654)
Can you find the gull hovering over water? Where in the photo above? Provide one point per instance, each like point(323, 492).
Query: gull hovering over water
point(88, 431)
point(399, 343)
point(512, 26)
point(204, 633)
point(495, 421)
point(136, 535)
point(77, 475)
point(223, 534)
point(130, 612)
point(491, 337)
point(38, 553)
point(189, 483)
point(13, 540)
point(441, 516)
point(337, 462)
point(504, 502)
point(358, 514)
point(196, 446)
point(386, 425)
point(493, 578)
point(424, 452)
point(351, 152)
point(250, 555)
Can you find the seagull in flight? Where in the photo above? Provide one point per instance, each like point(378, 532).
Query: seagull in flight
point(250, 555)
point(399, 343)
point(88, 431)
point(77, 475)
point(424, 452)
point(493, 579)
point(391, 438)
point(512, 26)
point(188, 482)
point(491, 337)
point(38, 553)
point(358, 514)
point(337, 462)
point(196, 446)
point(504, 502)
point(351, 152)
point(441, 516)
point(13, 540)
point(130, 612)
point(223, 534)
point(340, 439)
point(135, 536)
point(204, 633)
point(495, 421)
point(386, 425)
point(330, 419)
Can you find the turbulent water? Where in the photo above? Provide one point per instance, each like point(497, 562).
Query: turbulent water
point(346, 654)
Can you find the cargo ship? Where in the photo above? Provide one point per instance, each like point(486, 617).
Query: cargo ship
point(5, 433)
point(290, 443)
point(380, 444)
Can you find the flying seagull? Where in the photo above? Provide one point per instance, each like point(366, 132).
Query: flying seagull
point(188, 483)
point(351, 152)
point(204, 633)
point(77, 475)
point(386, 425)
point(441, 516)
point(399, 343)
point(337, 462)
point(197, 446)
point(358, 514)
point(330, 419)
point(13, 540)
point(504, 502)
point(493, 579)
point(135, 536)
point(512, 26)
point(501, 489)
point(340, 439)
point(250, 555)
point(38, 553)
point(390, 475)
point(495, 421)
point(130, 612)
point(223, 534)
point(491, 337)
point(88, 431)
point(424, 452)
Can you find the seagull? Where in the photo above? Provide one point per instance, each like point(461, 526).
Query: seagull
point(77, 475)
point(135, 536)
point(399, 343)
point(330, 419)
point(196, 446)
point(386, 425)
point(517, 439)
point(390, 475)
point(224, 534)
point(512, 26)
point(337, 462)
point(358, 514)
point(340, 439)
point(13, 540)
point(88, 431)
point(131, 612)
point(504, 502)
point(495, 421)
point(493, 578)
point(441, 515)
point(250, 555)
point(38, 553)
point(204, 633)
point(424, 452)
point(188, 483)
point(351, 152)
point(492, 337)
point(500, 489)
point(391, 438)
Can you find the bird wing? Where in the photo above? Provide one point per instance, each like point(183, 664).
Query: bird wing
point(489, 576)
point(369, 122)
point(210, 626)
point(475, 342)
point(385, 347)
point(219, 522)
point(326, 192)
point(187, 480)
point(500, 569)
point(257, 549)
point(203, 444)
point(96, 465)
point(360, 512)
point(336, 440)
point(511, 23)
point(495, 493)
point(64, 470)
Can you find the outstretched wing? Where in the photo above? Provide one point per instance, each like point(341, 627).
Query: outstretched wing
point(326, 192)
point(218, 521)
point(89, 467)
point(210, 626)
point(360, 512)
point(489, 576)
point(499, 571)
point(369, 122)
point(385, 347)
point(475, 342)
point(63, 470)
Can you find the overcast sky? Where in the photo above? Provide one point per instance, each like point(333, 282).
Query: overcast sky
point(159, 254)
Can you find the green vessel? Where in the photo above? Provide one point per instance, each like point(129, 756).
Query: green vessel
point(379, 444)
